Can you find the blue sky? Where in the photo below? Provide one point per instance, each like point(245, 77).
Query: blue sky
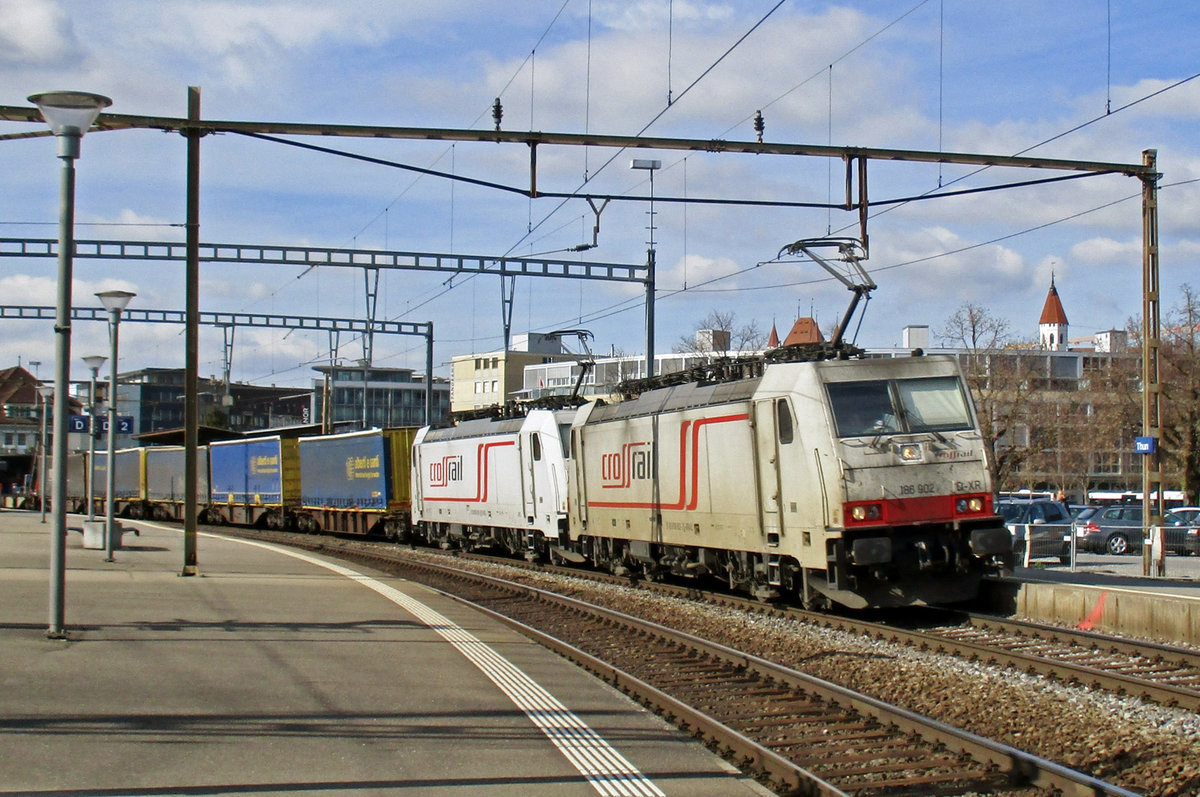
point(955, 75)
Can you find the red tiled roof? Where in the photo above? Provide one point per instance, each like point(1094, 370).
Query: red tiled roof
point(805, 330)
point(1052, 312)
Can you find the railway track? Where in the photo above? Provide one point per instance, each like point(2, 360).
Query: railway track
point(798, 733)
point(1155, 672)
point(1165, 674)
point(1159, 673)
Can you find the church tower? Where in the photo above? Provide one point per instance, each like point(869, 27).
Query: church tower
point(1052, 326)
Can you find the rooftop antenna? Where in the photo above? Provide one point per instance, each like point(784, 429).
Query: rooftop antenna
point(853, 276)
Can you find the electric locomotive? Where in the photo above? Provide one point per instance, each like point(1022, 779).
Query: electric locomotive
point(860, 482)
point(494, 483)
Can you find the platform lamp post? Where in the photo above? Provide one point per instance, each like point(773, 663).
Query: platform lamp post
point(114, 302)
point(45, 391)
point(69, 114)
point(93, 362)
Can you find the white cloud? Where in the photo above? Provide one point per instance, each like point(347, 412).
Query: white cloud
point(35, 32)
point(1107, 251)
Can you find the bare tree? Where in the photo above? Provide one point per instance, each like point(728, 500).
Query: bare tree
point(1180, 373)
point(747, 337)
point(974, 328)
point(997, 380)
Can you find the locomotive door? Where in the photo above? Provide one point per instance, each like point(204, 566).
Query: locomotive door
point(530, 461)
point(766, 446)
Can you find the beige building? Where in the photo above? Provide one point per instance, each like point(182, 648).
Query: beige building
point(486, 380)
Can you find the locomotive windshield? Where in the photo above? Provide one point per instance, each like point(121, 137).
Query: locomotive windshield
point(893, 406)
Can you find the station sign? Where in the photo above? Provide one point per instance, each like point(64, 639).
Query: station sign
point(79, 424)
point(1145, 445)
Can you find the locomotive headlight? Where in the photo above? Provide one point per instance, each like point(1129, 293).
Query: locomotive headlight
point(910, 452)
point(864, 512)
point(971, 505)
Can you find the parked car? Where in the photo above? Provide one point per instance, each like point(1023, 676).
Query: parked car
point(1189, 514)
point(1020, 514)
point(1115, 529)
point(1181, 530)
point(1118, 529)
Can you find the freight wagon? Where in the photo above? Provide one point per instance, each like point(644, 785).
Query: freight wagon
point(164, 483)
point(128, 481)
point(356, 483)
point(253, 482)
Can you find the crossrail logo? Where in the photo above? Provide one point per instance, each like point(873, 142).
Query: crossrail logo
point(448, 472)
point(634, 462)
point(621, 468)
point(448, 469)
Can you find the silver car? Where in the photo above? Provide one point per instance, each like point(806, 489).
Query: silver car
point(1019, 514)
point(1114, 529)
point(1118, 529)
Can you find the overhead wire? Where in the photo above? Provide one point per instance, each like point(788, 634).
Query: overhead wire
point(516, 72)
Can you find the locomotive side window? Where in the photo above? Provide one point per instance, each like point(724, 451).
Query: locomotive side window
point(863, 408)
point(933, 405)
point(537, 447)
point(783, 421)
point(564, 435)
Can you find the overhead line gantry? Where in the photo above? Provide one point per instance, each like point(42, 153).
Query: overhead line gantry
point(193, 128)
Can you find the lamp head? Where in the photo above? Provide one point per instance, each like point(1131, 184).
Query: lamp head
point(115, 301)
point(94, 362)
point(69, 112)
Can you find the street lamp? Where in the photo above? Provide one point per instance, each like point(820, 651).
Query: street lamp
point(69, 114)
point(114, 302)
point(45, 391)
point(651, 166)
point(93, 362)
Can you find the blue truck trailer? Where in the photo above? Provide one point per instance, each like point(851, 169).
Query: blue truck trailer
point(356, 483)
point(254, 482)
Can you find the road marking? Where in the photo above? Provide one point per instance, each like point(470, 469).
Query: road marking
point(609, 772)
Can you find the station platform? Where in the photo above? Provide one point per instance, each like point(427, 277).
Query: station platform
point(1106, 594)
point(277, 672)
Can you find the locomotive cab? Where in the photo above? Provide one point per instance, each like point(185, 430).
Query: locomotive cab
point(906, 493)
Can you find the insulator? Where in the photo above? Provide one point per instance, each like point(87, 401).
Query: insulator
point(497, 113)
point(759, 125)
